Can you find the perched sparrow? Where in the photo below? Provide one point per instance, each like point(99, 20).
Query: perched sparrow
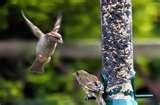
point(46, 45)
point(91, 85)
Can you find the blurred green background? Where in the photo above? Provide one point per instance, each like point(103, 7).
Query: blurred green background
point(81, 23)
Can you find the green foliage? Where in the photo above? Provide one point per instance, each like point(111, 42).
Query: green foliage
point(80, 17)
point(10, 91)
point(49, 88)
point(145, 18)
point(154, 66)
point(3, 16)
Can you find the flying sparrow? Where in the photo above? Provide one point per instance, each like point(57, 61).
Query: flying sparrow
point(46, 45)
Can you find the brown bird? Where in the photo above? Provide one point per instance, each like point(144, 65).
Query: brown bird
point(46, 45)
point(91, 85)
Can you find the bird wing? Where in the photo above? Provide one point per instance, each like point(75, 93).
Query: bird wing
point(36, 31)
point(54, 33)
point(57, 24)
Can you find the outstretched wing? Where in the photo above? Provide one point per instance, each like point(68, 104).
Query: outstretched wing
point(57, 24)
point(36, 31)
point(55, 30)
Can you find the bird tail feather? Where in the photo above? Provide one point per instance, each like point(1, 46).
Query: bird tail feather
point(37, 67)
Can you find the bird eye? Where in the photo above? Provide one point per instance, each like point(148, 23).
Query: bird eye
point(57, 38)
point(91, 98)
point(77, 73)
point(95, 83)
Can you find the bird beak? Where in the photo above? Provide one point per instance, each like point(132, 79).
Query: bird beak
point(57, 36)
point(60, 41)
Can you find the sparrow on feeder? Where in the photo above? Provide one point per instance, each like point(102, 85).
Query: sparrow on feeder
point(91, 86)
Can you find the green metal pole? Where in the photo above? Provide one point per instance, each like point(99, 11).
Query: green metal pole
point(117, 52)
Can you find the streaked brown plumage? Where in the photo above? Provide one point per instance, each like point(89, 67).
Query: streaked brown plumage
point(46, 45)
point(91, 85)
